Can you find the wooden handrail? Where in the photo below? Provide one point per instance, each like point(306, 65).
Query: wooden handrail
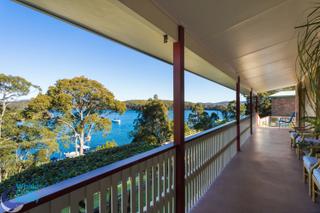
point(51, 192)
point(222, 149)
point(214, 130)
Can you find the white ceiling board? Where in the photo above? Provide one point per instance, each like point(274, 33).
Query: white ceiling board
point(255, 39)
point(213, 16)
point(283, 51)
point(114, 20)
point(262, 31)
point(286, 66)
point(244, 34)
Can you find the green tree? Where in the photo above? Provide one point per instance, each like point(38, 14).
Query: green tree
point(214, 117)
point(264, 104)
point(22, 142)
point(75, 107)
point(13, 137)
point(36, 142)
point(247, 104)
point(243, 109)
point(231, 110)
point(7, 158)
point(199, 119)
point(152, 124)
point(11, 88)
point(187, 130)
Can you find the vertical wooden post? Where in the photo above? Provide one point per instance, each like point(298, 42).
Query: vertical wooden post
point(251, 112)
point(256, 116)
point(297, 104)
point(257, 103)
point(238, 112)
point(300, 104)
point(178, 117)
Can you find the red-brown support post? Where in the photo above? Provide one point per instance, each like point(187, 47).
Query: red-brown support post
point(257, 103)
point(238, 113)
point(256, 115)
point(178, 117)
point(251, 111)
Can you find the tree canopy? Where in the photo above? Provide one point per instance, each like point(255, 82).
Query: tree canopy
point(78, 106)
point(200, 120)
point(11, 88)
point(231, 110)
point(12, 136)
point(264, 104)
point(152, 124)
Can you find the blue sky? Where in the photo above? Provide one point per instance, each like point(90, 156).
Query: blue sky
point(43, 49)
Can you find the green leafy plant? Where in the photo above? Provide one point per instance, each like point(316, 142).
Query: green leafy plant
point(314, 122)
point(308, 69)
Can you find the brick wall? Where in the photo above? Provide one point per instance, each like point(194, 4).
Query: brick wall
point(282, 106)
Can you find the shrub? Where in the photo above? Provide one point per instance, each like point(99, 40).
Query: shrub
point(54, 172)
point(107, 145)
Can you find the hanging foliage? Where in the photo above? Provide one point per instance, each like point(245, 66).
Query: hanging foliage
point(308, 66)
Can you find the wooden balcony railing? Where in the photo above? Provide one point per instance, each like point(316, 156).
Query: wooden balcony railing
point(206, 156)
point(144, 182)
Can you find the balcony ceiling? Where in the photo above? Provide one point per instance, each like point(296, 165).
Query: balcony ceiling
point(255, 39)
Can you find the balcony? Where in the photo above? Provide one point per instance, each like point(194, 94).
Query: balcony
point(266, 175)
point(236, 167)
point(145, 182)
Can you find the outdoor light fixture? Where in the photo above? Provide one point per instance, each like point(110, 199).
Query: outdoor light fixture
point(165, 38)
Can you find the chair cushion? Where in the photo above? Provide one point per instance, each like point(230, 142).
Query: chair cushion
point(309, 162)
point(299, 139)
point(312, 141)
point(316, 174)
point(293, 134)
point(309, 141)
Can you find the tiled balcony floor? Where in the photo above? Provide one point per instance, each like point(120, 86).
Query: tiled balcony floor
point(265, 177)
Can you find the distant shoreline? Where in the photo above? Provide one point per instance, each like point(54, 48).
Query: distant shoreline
point(138, 103)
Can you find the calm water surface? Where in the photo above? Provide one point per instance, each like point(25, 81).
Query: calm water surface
point(120, 133)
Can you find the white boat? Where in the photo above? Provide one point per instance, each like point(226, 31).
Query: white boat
point(118, 121)
point(71, 154)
